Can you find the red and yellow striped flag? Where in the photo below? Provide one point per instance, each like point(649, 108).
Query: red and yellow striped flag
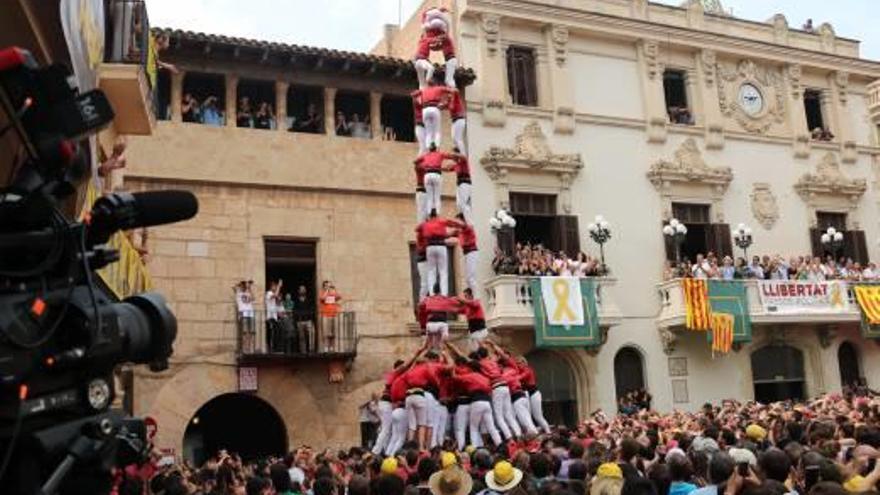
point(696, 302)
point(868, 297)
point(722, 332)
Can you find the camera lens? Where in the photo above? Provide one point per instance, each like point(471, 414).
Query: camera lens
point(148, 329)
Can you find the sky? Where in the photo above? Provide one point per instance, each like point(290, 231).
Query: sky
point(356, 25)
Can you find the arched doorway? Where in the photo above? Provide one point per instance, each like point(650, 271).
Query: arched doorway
point(629, 371)
point(848, 364)
point(557, 384)
point(239, 423)
point(778, 373)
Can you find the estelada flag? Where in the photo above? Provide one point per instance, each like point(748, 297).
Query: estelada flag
point(868, 297)
point(722, 332)
point(696, 302)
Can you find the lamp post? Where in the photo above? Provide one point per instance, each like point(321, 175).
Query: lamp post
point(833, 240)
point(742, 236)
point(676, 231)
point(600, 232)
point(501, 221)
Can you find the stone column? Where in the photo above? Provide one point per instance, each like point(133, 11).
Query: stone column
point(176, 96)
point(491, 81)
point(839, 82)
point(802, 141)
point(231, 99)
point(376, 114)
point(562, 94)
point(329, 111)
point(281, 105)
point(652, 90)
point(707, 96)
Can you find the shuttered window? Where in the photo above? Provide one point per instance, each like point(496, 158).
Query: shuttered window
point(522, 82)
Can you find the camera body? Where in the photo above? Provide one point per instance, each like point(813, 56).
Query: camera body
point(61, 335)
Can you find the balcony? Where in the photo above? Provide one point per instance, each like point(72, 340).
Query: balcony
point(672, 308)
point(125, 76)
point(874, 102)
point(509, 302)
point(295, 336)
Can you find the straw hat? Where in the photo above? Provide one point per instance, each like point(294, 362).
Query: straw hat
point(450, 481)
point(504, 477)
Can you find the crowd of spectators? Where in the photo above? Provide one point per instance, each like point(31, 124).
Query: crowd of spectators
point(206, 112)
point(825, 446)
point(680, 115)
point(353, 126)
point(530, 260)
point(821, 134)
point(806, 268)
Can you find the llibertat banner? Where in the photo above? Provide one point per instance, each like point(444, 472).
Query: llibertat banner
point(794, 297)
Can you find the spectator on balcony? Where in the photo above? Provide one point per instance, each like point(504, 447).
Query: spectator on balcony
point(244, 116)
point(502, 264)
point(304, 320)
point(756, 268)
point(210, 113)
point(265, 117)
point(273, 325)
point(189, 109)
point(343, 128)
point(360, 129)
point(312, 123)
point(702, 268)
point(870, 272)
point(727, 269)
point(329, 308)
point(244, 302)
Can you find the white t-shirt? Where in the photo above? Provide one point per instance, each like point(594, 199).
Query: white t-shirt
point(244, 304)
point(271, 306)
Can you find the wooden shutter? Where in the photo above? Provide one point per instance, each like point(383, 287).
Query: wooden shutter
point(855, 246)
point(719, 240)
point(816, 243)
point(567, 235)
point(506, 241)
point(521, 76)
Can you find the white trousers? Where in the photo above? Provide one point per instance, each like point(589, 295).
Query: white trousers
point(522, 409)
point(537, 407)
point(437, 333)
point(431, 405)
point(421, 203)
point(481, 417)
point(432, 117)
point(503, 409)
point(441, 418)
point(399, 424)
point(438, 266)
point(384, 436)
point(423, 279)
point(420, 138)
point(462, 418)
point(433, 188)
point(475, 339)
point(463, 201)
point(451, 67)
point(470, 270)
point(417, 411)
point(458, 128)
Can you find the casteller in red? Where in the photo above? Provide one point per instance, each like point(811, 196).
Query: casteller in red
point(467, 238)
point(417, 107)
point(456, 106)
point(472, 309)
point(434, 40)
point(436, 96)
point(432, 162)
point(473, 383)
point(435, 230)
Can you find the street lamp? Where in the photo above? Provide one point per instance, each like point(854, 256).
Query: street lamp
point(833, 240)
point(600, 232)
point(501, 221)
point(676, 231)
point(742, 236)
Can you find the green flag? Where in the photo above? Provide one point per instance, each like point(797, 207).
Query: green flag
point(586, 335)
point(729, 296)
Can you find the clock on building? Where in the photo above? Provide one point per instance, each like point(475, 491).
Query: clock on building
point(751, 100)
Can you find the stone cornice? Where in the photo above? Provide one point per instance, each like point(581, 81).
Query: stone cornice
point(642, 29)
point(829, 181)
point(532, 153)
point(688, 167)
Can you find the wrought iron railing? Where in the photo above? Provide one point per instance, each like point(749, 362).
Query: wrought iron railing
point(296, 334)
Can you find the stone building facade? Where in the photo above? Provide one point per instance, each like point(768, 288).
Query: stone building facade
point(598, 80)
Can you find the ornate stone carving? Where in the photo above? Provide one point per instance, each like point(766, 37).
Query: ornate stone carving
point(688, 166)
point(651, 53)
point(531, 154)
point(780, 29)
point(639, 9)
point(708, 59)
point(829, 184)
point(494, 113)
point(715, 7)
point(668, 338)
point(768, 81)
point(827, 37)
point(491, 24)
point(794, 79)
point(764, 207)
point(559, 36)
point(841, 80)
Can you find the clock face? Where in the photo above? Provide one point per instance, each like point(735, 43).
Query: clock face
point(750, 99)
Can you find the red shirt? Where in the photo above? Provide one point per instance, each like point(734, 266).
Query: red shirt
point(433, 96)
point(421, 242)
point(434, 229)
point(467, 237)
point(456, 106)
point(490, 368)
point(462, 167)
point(473, 383)
point(527, 376)
point(389, 380)
point(432, 162)
point(419, 376)
point(473, 310)
point(398, 388)
point(435, 367)
point(417, 106)
point(511, 376)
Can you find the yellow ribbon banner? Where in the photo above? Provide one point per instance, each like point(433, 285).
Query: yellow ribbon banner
point(562, 300)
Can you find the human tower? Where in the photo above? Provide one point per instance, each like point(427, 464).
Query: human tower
point(441, 389)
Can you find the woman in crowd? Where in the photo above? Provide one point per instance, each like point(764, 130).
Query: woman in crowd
point(244, 116)
point(265, 117)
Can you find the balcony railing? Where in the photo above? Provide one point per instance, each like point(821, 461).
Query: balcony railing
point(509, 302)
point(296, 335)
point(673, 311)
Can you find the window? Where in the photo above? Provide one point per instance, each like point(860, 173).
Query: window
point(848, 365)
point(703, 237)
point(675, 89)
point(778, 374)
point(305, 109)
point(628, 371)
point(256, 104)
point(522, 82)
point(816, 125)
point(414, 273)
point(538, 223)
point(353, 114)
point(826, 219)
point(398, 120)
point(204, 98)
point(294, 263)
point(854, 244)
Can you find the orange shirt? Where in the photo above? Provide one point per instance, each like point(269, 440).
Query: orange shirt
point(329, 303)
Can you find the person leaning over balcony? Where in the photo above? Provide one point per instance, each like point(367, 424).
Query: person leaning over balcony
point(329, 308)
point(244, 302)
